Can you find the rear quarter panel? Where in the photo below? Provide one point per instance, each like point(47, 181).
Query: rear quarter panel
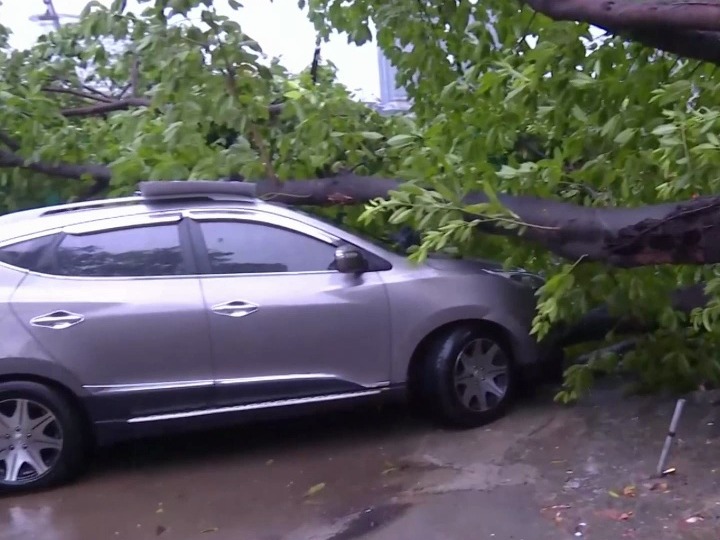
point(422, 300)
point(21, 357)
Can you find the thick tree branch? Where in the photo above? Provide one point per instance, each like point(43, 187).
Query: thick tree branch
point(104, 108)
point(698, 45)
point(125, 104)
point(315, 64)
point(687, 232)
point(70, 171)
point(690, 29)
point(635, 14)
point(672, 233)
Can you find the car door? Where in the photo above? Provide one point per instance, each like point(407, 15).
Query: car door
point(283, 323)
point(119, 304)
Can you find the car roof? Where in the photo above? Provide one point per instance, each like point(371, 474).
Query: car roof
point(168, 197)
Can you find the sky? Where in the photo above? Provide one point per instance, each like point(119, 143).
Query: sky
point(280, 27)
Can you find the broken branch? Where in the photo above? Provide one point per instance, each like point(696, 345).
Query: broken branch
point(70, 171)
point(631, 14)
point(690, 29)
point(77, 93)
point(104, 108)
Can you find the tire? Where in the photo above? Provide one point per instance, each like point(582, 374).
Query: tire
point(443, 373)
point(60, 443)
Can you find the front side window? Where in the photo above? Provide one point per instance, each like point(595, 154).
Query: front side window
point(139, 251)
point(251, 248)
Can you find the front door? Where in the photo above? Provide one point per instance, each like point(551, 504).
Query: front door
point(284, 324)
point(121, 309)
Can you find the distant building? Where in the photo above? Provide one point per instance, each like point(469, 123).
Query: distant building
point(393, 98)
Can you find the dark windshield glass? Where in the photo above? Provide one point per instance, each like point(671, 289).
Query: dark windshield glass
point(397, 241)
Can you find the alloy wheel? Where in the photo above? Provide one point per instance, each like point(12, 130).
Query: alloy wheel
point(481, 375)
point(31, 441)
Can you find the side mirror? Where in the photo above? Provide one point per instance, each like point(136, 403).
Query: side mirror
point(350, 260)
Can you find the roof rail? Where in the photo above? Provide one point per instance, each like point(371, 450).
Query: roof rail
point(163, 190)
point(192, 188)
point(86, 205)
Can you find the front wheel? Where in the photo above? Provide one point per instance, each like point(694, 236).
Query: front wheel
point(42, 440)
point(468, 376)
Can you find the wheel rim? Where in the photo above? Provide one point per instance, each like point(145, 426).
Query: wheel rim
point(481, 375)
point(30, 441)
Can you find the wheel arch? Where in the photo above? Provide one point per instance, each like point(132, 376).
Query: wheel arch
point(59, 387)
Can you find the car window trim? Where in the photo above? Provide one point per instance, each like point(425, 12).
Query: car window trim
point(188, 254)
point(123, 222)
point(248, 216)
point(265, 218)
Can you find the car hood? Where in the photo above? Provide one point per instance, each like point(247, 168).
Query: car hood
point(453, 264)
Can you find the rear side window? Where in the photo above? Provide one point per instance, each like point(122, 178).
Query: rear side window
point(28, 255)
point(140, 251)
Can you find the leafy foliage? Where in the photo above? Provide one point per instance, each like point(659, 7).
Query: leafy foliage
point(504, 101)
point(612, 122)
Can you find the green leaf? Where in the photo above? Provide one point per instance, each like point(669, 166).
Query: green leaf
point(625, 135)
point(372, 135)
point(578, 113)
point(400, 140)
point(665, 129)
point(582, 80)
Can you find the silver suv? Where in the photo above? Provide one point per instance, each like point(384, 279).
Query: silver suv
point(195, 304)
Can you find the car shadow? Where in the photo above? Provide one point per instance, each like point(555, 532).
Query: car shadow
point(344, 427)
point(267, 437)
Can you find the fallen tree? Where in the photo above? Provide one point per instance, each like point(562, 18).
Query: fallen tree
point(608, 153)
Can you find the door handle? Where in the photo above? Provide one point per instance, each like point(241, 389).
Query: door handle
point(235, 308)
point(57, 320)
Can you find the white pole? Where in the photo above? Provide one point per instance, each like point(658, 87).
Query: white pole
point(670, 436)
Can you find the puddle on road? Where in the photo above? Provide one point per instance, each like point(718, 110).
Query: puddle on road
point(371, 520)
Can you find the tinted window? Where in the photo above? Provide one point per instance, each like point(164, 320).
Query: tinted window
point(140, 251)
point(249, 248)
point(29, 254)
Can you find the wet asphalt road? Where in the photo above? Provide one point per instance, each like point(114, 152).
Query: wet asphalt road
point(376, 475)
point(334, 476)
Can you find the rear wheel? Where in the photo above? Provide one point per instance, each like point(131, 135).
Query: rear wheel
point(42, 440)
point(468, 376)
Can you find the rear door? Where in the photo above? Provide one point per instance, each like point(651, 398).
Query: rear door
point(119, 304)
point(284, 323)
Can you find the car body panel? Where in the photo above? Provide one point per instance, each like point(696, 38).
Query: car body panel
point(309, 334)
point(143, 344)
point(152, 352)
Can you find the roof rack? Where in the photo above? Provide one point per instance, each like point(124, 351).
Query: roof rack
point(192, 188)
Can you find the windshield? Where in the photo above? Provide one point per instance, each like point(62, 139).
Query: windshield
point(396, 241)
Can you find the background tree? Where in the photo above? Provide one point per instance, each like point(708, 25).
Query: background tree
point(601, 153)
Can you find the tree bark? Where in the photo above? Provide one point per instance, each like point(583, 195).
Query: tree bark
point(674, 233)
point(686, 28)
point(635, 14)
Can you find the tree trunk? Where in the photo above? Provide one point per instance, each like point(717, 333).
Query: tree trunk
point(674, 233)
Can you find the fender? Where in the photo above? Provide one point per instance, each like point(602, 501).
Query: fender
point(35, 368)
